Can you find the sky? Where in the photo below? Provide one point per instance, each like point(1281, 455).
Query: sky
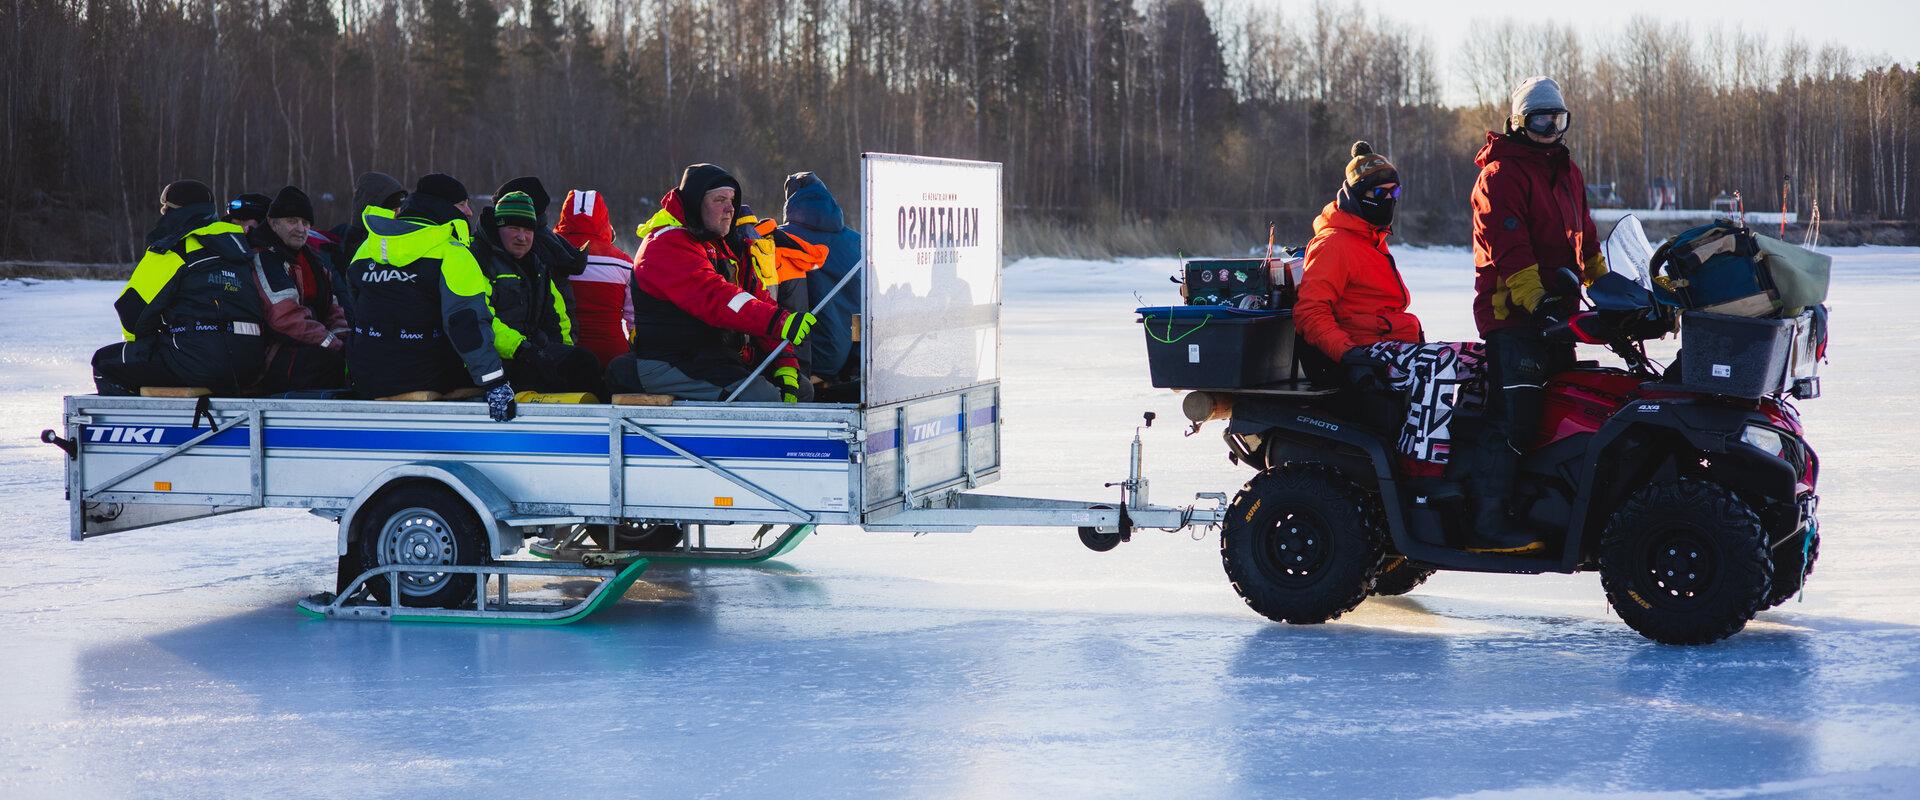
point(1888, 28)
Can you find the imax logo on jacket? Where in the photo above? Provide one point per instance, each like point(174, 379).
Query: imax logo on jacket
point(389, 276)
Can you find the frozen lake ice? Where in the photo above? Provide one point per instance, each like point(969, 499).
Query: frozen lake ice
point(170, 662)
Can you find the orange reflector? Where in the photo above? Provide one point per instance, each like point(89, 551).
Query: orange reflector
point(163, 486)
point(723, 501)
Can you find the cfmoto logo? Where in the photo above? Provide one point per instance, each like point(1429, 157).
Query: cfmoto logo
point(1318, 423)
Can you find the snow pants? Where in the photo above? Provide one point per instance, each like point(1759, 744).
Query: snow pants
point(1437, 378)
point(221, 362)
point(1519, 362)
point(303, 367)
point(707, 376)
point(554, 368)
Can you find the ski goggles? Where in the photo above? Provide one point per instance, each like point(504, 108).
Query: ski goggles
point(1383, 192)
point(1547, 123)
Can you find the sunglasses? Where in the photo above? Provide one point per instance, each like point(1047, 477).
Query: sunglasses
point(1384, 192)
point(1548, 123)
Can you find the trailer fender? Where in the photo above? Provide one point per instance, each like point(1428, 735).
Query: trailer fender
point(488, 502)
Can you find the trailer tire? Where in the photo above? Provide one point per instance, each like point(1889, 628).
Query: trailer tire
point(1300, 544)
point(420, 523)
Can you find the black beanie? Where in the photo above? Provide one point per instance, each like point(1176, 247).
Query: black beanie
point(291, 202)
point(535, 191)
point(184, 193)
point(251, 206)
point(443, 186)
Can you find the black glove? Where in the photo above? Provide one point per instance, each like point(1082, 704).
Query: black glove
point(1361, 369)
point(500, 404)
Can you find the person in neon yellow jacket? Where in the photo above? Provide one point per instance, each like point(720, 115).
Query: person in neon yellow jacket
point(531, 327)
point(423, 321)
point(191, 314)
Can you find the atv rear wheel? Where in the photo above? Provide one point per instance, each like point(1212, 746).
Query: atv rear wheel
point(1300, 544)
point(1685, 562)
point(1399, 576)
point(1792, 563)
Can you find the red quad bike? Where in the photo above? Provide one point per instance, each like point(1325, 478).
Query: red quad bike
point(1696, 509)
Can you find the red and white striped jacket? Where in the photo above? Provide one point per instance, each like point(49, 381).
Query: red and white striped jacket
point(603, 294)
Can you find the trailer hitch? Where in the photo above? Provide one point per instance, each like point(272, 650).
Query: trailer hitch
point(49, 437)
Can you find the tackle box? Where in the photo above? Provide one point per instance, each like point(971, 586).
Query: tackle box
point(1218, 347)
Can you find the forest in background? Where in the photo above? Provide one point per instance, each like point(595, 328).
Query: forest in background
point(1126, 127)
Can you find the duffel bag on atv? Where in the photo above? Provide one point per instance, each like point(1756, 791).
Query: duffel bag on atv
point(1726, 268)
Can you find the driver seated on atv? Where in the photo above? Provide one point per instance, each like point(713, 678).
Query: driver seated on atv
point(1353, 308)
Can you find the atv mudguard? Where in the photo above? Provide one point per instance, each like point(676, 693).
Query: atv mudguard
point(1644, 434)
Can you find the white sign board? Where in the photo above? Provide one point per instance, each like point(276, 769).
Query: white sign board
point(931, 322)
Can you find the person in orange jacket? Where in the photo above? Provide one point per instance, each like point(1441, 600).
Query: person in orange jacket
point(1352, 306)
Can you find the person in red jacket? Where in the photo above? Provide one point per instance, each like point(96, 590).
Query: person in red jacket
point(1530, 221)
point(603, 294)
point(308, 345)
point(1353, 307)
point(699, 314)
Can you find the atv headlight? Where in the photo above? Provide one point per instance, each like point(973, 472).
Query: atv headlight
point(1764, 438)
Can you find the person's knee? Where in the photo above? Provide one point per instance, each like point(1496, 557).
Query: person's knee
point(759, 390)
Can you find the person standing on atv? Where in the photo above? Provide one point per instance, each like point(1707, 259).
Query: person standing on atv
point(1353, 307)
point(1530, 221)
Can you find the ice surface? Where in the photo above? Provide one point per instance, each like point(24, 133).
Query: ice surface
point(1008, 663)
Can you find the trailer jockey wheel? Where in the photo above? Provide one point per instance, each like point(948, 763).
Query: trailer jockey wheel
point(1097, 541)
point(426, 525)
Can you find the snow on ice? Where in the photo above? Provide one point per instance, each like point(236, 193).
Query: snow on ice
point(1011, 663)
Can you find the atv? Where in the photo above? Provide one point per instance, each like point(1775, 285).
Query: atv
point(1697, 509)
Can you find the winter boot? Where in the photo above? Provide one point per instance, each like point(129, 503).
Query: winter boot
point(1494, 531)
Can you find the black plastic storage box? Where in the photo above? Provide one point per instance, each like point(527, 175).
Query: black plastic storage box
point(1218, 347)
point(1734, 356)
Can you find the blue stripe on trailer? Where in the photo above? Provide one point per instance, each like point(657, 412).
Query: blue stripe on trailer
point(936, 428)
point(377, 440)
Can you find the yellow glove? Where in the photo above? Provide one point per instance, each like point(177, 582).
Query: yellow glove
point(789, 380)
point(1524, 289)
point(1595, 268)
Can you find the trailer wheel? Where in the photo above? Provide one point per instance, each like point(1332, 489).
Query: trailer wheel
point(424, 524)
point(1300, 544)
point(1100, 542)
point(1685, 562)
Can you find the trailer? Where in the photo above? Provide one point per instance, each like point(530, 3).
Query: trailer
point(437, 505)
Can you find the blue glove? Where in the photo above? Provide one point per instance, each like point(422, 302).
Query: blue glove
point(500, 404)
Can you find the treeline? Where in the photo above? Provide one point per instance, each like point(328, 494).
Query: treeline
point(1107, 113)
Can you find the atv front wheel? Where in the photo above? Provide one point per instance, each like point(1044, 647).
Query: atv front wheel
point(1685, 562)
point(1300, 545)
point(1399, 576)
